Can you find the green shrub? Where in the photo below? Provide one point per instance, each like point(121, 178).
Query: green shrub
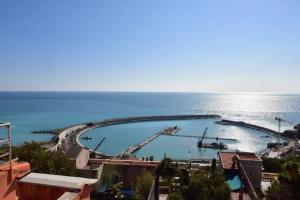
point(143, 185)
point(43, 161)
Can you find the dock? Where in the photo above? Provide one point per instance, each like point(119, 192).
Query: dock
point(166, 131)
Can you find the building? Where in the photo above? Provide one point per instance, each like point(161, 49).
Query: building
point(242, 171)
point(9, 172)
point(17, 181)
point(48, 187)
point(112, 171)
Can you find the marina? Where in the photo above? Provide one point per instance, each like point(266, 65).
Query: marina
point(152, 131)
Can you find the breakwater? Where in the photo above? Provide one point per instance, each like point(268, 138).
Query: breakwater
point(151, 118)
point(248, 125)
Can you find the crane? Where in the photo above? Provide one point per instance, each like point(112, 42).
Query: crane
point(280, 120)
point(200, 141)
point(98, 145)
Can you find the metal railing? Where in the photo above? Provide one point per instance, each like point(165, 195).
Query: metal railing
point(151, 195)
point(249, 185)
point(7, 140)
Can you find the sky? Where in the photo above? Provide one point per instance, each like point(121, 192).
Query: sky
point(150, 45)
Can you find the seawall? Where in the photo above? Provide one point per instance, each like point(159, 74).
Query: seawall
point(247, 125)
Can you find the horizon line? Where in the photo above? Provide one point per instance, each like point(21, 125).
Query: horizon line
point(152, 91)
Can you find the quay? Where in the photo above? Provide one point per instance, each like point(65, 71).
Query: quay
point(166, 131)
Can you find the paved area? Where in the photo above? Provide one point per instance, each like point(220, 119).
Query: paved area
point(163, 197)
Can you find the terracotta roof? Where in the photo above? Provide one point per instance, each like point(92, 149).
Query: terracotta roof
point(226, 158)
point(247, 156)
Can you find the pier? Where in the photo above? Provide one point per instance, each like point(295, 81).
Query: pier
point(166, 131)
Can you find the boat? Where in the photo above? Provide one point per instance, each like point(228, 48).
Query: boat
point(86, 138)
point(265, 136)
point(214, 145)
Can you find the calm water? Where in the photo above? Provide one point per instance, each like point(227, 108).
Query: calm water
point(29, 111)
point(175, 147)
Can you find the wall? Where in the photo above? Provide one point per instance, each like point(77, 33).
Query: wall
point(82, 159)
point(28, 191)
point(254, 171)
point(7, 182)
point(126, 174)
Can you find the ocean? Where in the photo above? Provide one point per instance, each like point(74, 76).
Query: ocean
point(30, 111)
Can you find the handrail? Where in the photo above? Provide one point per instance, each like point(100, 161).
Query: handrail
point(252, 190)
point(7, 126)
point(151, 195)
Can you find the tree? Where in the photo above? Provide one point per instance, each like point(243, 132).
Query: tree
point(213, 165)
point(273, 191)
point(203, 185)
point(273, 165)
point(143, 185)
point(43, 161)
point(166, 168)
point(288, 186)
point(151, 158)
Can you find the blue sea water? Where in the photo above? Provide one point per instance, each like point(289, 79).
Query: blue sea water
point(29, 111)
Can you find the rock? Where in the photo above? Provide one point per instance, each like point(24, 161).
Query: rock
point(297, 127)
point(291, 134)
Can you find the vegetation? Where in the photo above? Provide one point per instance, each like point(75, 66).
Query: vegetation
point(114, 192)
point(43, 161)
point(207, 183)
point(143, 185)
point(273, 165)
point(175, 196)
point(166, 168)
point(288, 184)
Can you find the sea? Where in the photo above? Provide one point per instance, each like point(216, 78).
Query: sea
point(32, 111)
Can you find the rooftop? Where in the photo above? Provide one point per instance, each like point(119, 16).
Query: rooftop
point(4, 124)
point(227, 158)
point(247, 156)
point(57, 180)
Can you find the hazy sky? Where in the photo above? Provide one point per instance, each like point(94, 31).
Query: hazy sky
point(149, 45)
